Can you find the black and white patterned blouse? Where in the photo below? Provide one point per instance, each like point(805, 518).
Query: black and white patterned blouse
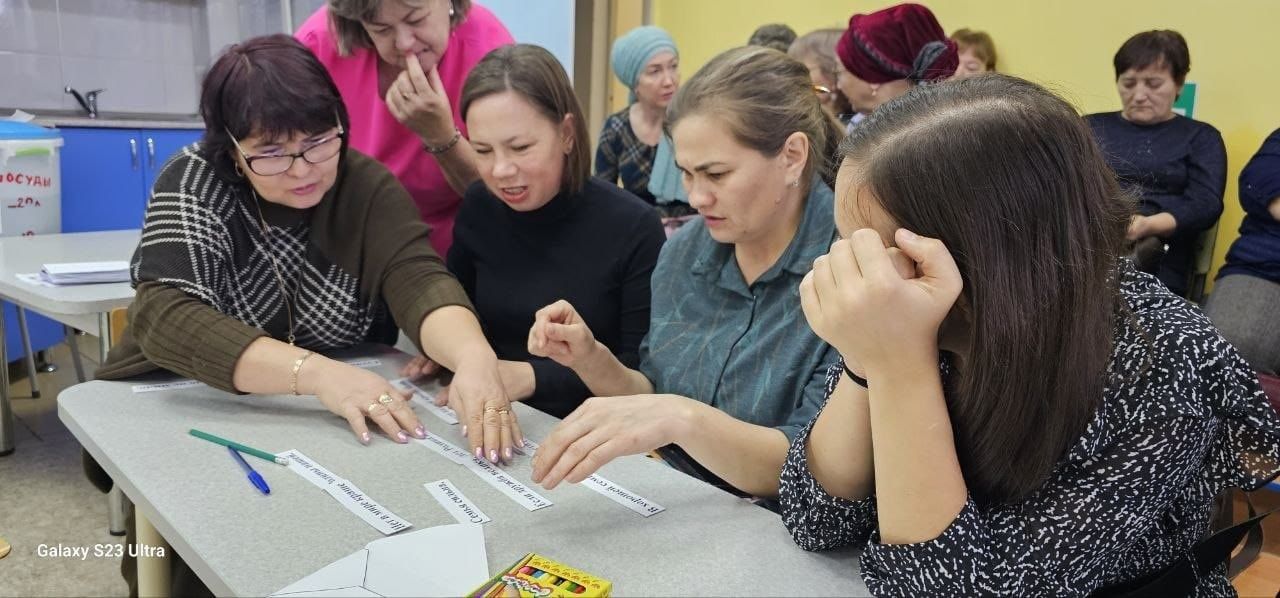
point(205, 237)
point(1131, 494)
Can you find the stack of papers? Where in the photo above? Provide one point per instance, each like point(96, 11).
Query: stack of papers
point(85, 272)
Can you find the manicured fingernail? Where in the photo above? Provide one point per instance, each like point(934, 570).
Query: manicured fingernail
point(420, 431)
point(464, 429)
point(493, 456)
point(479, 453)
point(508, 453)
point(402, 437)
point(364, 439)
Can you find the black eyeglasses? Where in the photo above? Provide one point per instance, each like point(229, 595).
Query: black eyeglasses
point(320, 151)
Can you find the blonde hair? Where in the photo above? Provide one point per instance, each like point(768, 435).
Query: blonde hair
point(763, 96)
point(980, 42)
point(345, 17)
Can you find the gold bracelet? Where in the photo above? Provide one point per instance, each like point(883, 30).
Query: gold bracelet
point(297, 365)
point(437, 150)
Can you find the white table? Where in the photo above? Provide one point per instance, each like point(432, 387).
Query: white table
point(239, 542)
point(86, 307)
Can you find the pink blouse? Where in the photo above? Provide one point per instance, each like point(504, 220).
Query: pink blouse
point(377, 133)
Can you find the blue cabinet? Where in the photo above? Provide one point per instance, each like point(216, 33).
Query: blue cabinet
point(107, 174)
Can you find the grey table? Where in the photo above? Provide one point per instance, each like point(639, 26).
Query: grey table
point(86, 307)
point(239, 542)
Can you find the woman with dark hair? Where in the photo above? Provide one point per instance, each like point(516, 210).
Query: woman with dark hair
point(1020, 411)
point(538, 227)
point(1245, 304)
point(728, 371)
point(399, 65)
point(1177, 167)
point(885, 53)
point(303, 246)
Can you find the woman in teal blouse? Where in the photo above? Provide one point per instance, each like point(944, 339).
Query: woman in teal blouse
point(729, 371)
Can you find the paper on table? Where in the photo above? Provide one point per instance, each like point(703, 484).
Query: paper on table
point(86, 272)
point(455, 502)
point(35, 280)
point(424, 399)
point(613, 491)
point(412, 564)
point(346, 493)
point(177, 385)
point(488, 472)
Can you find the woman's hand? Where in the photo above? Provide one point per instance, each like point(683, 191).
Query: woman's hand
point(605, 428)
point(419, 367)
point(418, 100)
point(482, 406)
point(355, 394)
point(559, 333)
point(858, 301)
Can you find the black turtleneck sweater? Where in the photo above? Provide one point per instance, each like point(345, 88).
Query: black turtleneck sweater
point(595, 249)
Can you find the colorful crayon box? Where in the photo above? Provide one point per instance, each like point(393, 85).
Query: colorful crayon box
point(535, 576)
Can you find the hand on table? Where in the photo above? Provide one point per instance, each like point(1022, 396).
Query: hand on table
point(356, 394)
point(603, 429)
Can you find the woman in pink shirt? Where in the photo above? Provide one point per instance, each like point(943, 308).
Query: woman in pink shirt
point(400, 65)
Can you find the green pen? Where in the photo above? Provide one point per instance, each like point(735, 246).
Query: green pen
point(239, 447)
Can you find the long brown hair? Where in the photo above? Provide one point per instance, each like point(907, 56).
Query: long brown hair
point(1009, 177)
point(536, 75)
point(763, 96)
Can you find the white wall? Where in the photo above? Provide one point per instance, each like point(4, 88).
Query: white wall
point(547, 23)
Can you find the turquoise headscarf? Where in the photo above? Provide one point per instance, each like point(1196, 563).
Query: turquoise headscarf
point(633, 50)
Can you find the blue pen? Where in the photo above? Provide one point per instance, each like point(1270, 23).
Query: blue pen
point(254, 476)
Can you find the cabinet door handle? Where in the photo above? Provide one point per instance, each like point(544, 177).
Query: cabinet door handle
point(151, 153)
point(133, 153)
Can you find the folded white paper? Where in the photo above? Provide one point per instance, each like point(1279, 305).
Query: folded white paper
point(85, 272)
point(448, 560)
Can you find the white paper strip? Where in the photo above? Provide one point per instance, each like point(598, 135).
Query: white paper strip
point(455, 502)
point(365, 363)
point(180, 384)
point(505, 484)
point(623, 496)
point(310, 470)
point(376, 515)
point(426, 401)
point(445, 448)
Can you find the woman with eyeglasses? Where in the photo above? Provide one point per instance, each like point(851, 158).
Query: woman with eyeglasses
point(270, 242)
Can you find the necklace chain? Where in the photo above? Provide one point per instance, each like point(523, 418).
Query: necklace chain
point(266, 236)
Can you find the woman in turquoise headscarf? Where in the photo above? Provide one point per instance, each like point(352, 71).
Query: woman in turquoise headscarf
point(632, 146)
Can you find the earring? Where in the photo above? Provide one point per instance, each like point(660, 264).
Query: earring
point(794, 184)
point(874, 90)
point(451, 10)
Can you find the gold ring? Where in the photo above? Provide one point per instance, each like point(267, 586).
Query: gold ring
point(385, 398)
point(490, 409)
point(503, 411)
point(371, 407)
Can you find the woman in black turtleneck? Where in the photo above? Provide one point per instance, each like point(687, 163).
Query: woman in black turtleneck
point(537, 228)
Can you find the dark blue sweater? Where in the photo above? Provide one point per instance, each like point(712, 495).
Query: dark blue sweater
point(595, 249)
point(1178, 166)
point(1257, 251)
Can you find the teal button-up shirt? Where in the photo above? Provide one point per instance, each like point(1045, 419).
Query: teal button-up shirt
point(746, 350)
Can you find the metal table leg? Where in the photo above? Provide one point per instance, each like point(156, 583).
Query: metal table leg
point(117, 511)
point(6, 411)
point(153, 559)
point(29, 356)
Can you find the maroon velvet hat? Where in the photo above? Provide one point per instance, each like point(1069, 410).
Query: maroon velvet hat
point(899, 42)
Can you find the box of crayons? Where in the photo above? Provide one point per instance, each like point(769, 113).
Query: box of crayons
point(535, 576)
